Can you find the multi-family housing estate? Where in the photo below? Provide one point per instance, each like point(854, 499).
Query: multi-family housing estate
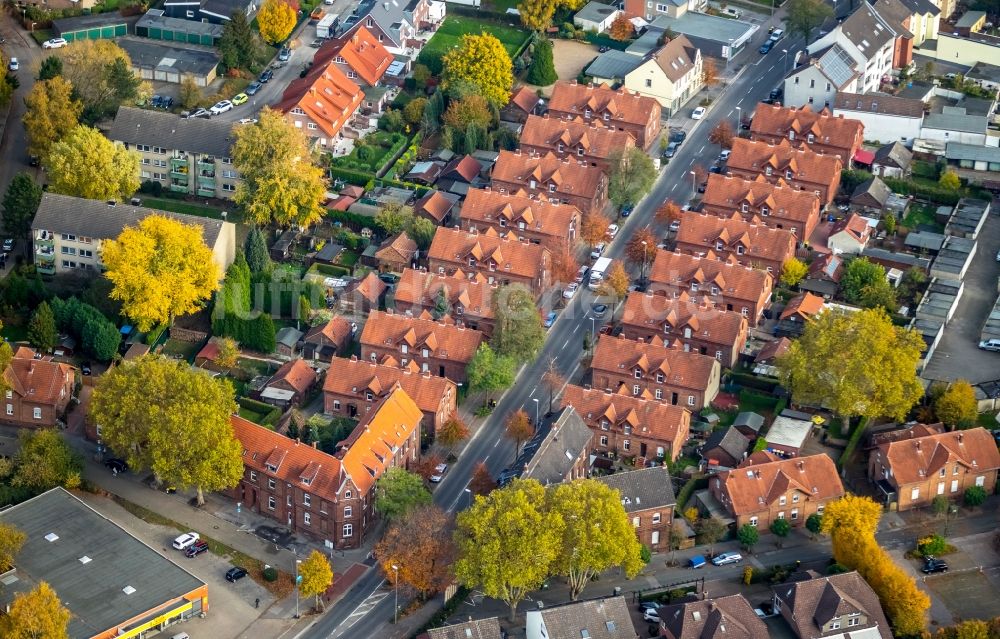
point(775, 204)
point(672, 74)
point(467, 299)
point(363, 59)
point(655, 371)
point(322, 102)
point(395, 24)
point(732, 286)
point(38, 389)
point(911, 472)
point(437, 347)
point(836, 606)
point(647, 495)
point(691, 322)
point(499, 259)
point(67, 232)
point(185, 155)
point(581, 140)
point(749, 242)
point(628, 426)
point(764, 488)
point(533, 219)
point(358, 386)
point(801, 168)
point(329, 497)
point(815, 129)
point(566, 180)
point(621, 109)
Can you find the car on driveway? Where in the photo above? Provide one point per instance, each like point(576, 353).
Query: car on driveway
point(116, 465)
point(652, 615)
point(8, 244)
point(698, 113)
point(550, 319)
point(235, 573)
point(185, 540)
point(253, 87)
point(439, 472)
point(221, 107)
point(990, 345)
point(196, 548)
point(727, 558)
point(199, 113)
point(55, 43)
point(266, 76)
point(599, 309)
point(240, 98)
point(932, 566)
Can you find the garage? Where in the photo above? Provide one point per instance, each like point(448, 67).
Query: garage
point(156, 26)
point(99, 26)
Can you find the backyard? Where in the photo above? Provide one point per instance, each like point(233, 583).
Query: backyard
point(921, 215)
point(448, 36)
point(372, 152)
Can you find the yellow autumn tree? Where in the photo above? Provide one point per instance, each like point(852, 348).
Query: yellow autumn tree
point(536, 14)
point(276, 19)
point(479, 65)
point(86, 164)
point(317, 576)
point(160, 269)
point(51, 113)
point(36, 614)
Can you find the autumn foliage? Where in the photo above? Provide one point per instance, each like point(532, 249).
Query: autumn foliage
point(593, 229)
point(722, 135)
point(641, 247)
point(420, 546)
point(621, 28)
point(668, 212)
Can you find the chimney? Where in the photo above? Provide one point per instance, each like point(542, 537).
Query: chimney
point(297, 441)
point(314, 444)
point(918, 444)
point(960, 436)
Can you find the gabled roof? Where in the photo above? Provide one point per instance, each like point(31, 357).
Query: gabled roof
point(880, 103)
point(326, 96)
point(670, 316)
point(334, 332)
point(467, 294)
point(642, 489)
point(538, 215)
point(758, 242)
point(370, 287)
point(854, 226)
point(725, 192)
point(592, 138)
point(38, 381)
point(648, 418)
point(894, 154)
point(444, 341)
point(873, 187)
point(773, 349)
point(827, 267)
point(803, 306)
point(436, 204)
point(472, 629)
point(732, 280)
point(524, 99)
point(569, 176)
point(466, 168)
point(922, 7)
point(559, 442)
point(781, 121)
point(679, 368)
point(297, 374)
point(762, 479)
point(597, 619)
point(803, 163)
point(364, 54)
point(729, 617)
point(725, 447)
point(916, 459)
point(397, 249)
point(368, 451)
point(815, 601)
point(576, 100)
point(134, 126)
point(676, 58)
point(507, 255)
point(867, 30)
point(894, 14)
point(353, 377)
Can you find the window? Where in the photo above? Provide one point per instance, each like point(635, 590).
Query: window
point(307, 500)
point(253, 475)
point(718, 355)
point(795, 514)
point(781, 515)
point(795, 498)
point(288, 499)
point(10, 394)
point(347, 495)
point(306, 518)
point(348, 530)
point(627, 445)
point(348, 511)
point(782, 500)
point(635, 522)
point(656, 518)
point(835, 624)
point(10, 409)
point(659, 393)
point(853, 621)
point(649, 83)
point(915, 494)
point(819, 509)
point(638, 374)
point(955, 470)
point(336, 404)
point(270, 483)
point(690, 400)
point(812, 84)
point(311, 126)
point(604, 440)
point(768, 171)
point(753, 522)
point(635, 389)
point(86, 253)
point(270, 502)
point(229, 187)
point(954, 482)
point(68, 250)
point(740, 250)
point(189, 14)
point(943, 470)
point(744, 207)
point(764, 211)
point(980, 481)
point(811, 138)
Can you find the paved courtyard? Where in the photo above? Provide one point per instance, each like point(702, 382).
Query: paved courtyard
point(569, 57)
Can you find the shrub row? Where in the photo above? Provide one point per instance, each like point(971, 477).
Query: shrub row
point(271, 414)
point(684, 494)
point(852, 443)
point(933, 193)
point(748, 380)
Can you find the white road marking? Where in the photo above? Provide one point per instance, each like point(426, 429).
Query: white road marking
point(363, 609)
point(701, 150)
point(461, 494)
point(566, 343)
point(771, 69)
point(532, 394)
point(496, 443)
point(673, 187)
point(730, 113)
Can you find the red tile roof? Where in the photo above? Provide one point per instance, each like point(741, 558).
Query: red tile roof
point(370, 287)
point(457, 247)
point(728, 193)
point(804, 165)
point(435, 205)
point(467, 294)
point(855, 226)
point(524, 99)
point(592, 138)
point(297, 374)
point(753, 487)
point(804, 306)
point(729, 278)
point(647, 418)
point(825, 128)
point(365, 55)
point(465, 167)
point(620, 356)
point(398, 249)
point(38, 380)
point(619, 105)
point(444, 341)
point(773, 349)
point(756, 241)
point(669, 316)
point(914, 460)
point(570, 178)
point(336, 332)
point(355, 377)
point(325, 95)
point(489, 207)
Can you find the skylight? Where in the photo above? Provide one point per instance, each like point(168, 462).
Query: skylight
point(51, 537)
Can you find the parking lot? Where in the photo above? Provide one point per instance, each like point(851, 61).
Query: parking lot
point(968, 594)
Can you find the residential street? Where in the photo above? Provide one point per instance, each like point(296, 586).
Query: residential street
point(14, 145)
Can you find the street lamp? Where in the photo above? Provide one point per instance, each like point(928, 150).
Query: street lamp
point(593, 332)
point(642, 267)
point(739, 118)
point(395, 587)
point(297, 579)
point(694, 187)
point(468, 491)
point(784, 59)
point(536, 412)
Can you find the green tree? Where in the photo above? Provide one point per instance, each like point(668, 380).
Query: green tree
point(856, 363)
point(101, 74)
point(939, 505)
point(806, 15)
point(598, 534)
point(238, 44)
point(50, 68)
point(889, 224)
point(974, 496)
point(949, 180)
point(51, 113)
point(393, 218)
point(632, 175)
point(781, 528)
point(45, 461)
point(86, 164)
point(280, 184)
point(957, 405)
point(421, 74)
point(413, 112)
point(472, 109)
point(748, 536)
point(317, 577)
point(710, 531)
point(398, 491)
point(489, 372)
point(792, 271)
point(865, 283)
point(20, 203)
point(479, 65)
point(11, 540)
point(124, 84)
point(164, 415)
point(542, 71)
point(160, 269)
point(229, 354)
point(257, 256)
point(42, 333)
point(518, 332)
point(507, 542)
point(814, 524)
point(422, 232)
point(519, 430)
point(36, 614)
point(275, 19)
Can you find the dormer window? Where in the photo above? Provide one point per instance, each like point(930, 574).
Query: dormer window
point(552, 187)
point(532, 183)
point(740, 250)
point(503, 222)
point(811, 138)
point(638, 374)
point(472, 262)
point(579, 151)
point(660, 378)
point(715, 290)
point(768, 170)
point(687, 332)
point(718, 245)
point(607, 116)
point(562, 147)
point(425, 353)
point(791, 135)
point(788, 173)
point(765, 211)
point(586, 113)
point(694, 287)
point(744, 207)
point(403, 348)
point(369, 396)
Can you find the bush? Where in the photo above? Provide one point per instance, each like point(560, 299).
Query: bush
point(932, 545)
point(269, 414)
point(748, 380)
point(645, 554)
point(934, 193)
point(270, 574)
point(98, 335)
point(151, 187)
point(974, 496)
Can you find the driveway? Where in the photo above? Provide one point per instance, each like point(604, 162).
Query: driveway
point(958, 355)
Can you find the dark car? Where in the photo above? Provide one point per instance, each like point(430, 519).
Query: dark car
point(85, 368)
point(671, 150)
point(266, 76)
point(155, 101)
point(702, 187)
point(715, 168)
point(116, 464)
point(166, 102)
point(235, 573)
point(766, 47)
point(389, 278)
point(776, 93)
point(678, 136)
point(648, 605)
point(253, 88)
point(600, 309)
point(197, 548)
point(627, 210)
point(933, 565)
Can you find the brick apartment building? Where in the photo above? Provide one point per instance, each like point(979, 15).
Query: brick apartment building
point(436, 347)
point(467, 299)
point(803, 127)
point(38, 390)
point(559, 180)
point(648, 497)
point(730, 285)
point(801, 168)
point(776, 205)
point(749, 242)
point(692, 323)
point(654, 371)
point(581, 140)
point(527, 219)
point(499, 259)
point(622, 109)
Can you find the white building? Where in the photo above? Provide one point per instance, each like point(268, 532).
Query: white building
point(887, 118)
point(596, 16)
point(954, 124)
point(672, 75)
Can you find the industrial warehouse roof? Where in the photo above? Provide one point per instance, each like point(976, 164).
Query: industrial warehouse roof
point(702, 25)
point(973, 152)
point(102, 574)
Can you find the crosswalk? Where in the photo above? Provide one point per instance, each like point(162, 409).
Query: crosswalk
point(359, 613)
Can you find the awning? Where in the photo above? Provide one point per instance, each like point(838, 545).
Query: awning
point(278, 394)
point(864, 157)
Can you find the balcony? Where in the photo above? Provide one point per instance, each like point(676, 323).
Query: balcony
point(206, 181)
point(206, 192)
point(44, 238)
point(46, 269)
point(206, 165)
point(179, 188)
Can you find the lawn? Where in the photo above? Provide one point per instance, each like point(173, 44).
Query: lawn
point(187, 208)
point(181, 350)
point(251, 415)
point(41, 35)
point(920, 214)
point(451, 32)
point(986, 420)
point(372, 152)
point(14, 332)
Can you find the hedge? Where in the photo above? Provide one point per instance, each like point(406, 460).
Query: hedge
point(684, 494)
point(852, 443)
point(450, 606)
point(483, 15)
point(932, 193)
point(748, 380)
point(360, 178)
point(600, 40)
point(271, 414)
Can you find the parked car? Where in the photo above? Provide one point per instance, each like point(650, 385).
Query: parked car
point(675, 225)
point(627, 210)
point(725, 155)
point(696, 562)
point(598, 250)
point(166, 102)
point(727, 558)
point(990, 345)
point(240, 98)
point(570, 290)
point(671, 150)
point(731, 12)
point(932, 565)
point(221, 107)
point(581, 274)
point(550, 319)
point(439, 472)
point(702, 187)
point(777, 34)
point(8, 244)
point(389, 278)
point(185, 540)
point(253, 87)
point(85, 368)
point(652, 615)
point(196, 548)
point(317, 43)
point(649, 605)
point(766, 47)
point(715, 168)
point(235, 573)
point(678, 136)
point(284, 54)
point(612, 231)
point(266, 76)
point(116, 465)
point(247, 121)
point(199, 113)
point(13, 65)
point(55, 43)
point(698, 113)
point(599, 309)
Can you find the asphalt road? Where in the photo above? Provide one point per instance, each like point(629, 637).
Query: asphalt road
point(14, 146)
point(365, 609)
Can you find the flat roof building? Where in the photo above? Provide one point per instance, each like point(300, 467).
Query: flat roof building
point(171, 62)
point(114, 585)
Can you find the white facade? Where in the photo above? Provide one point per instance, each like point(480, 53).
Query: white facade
point(809, 85)
point(874, 63)
point(885, 128)
point(650, 80)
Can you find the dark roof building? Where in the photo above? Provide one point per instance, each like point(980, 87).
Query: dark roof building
point(134, 127)
point(110, 582)
point(472, 629)
point(154, 60)
point(558, 452)
point(594, 619)
point(833, 605)
point(729, 617)
point(642, 489)
point(726, 448)
point(749, 423)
